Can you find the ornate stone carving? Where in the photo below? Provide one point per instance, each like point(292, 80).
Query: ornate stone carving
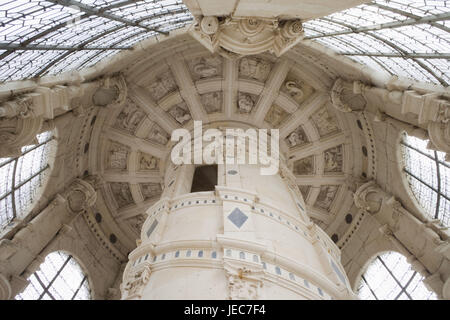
point(162, 85)
point(158, 135)
point(347, 97)
point(134, 284)
point(296, 138)
point(118, 156)
point(122, 193)
point(80, 196)
point(324, 122)
point(276, 116)
point(212, 102)
point(304, 166)
point(137, 222)
point(326, 196)
point(246, 102)
point(180, 113)
point(148, 162)
point(243, 282)
point(370, 198)
point(16, 133)
point(130, 117)
point(333, 160)
point(247, 35)
point(206, 67)
point(254, 68)
point(113, 92)
point(150, 190)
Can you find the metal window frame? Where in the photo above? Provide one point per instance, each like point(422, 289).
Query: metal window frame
point(14, 187)
point(438, 189)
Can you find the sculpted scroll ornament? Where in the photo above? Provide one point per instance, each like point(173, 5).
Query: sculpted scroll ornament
point(113, 92)
point(371, 198)
point(80, 196)
point(347, 96)
point(135, 283)
point(247, 35)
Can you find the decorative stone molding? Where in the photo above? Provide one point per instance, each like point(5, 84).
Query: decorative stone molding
point(239, 36)
point(16, 133)
point(243, 282)
point(112, 92)
point(347, 96)
point(81, 195)
point(5, 288)
point(370, 198)
point(135, 284)
point(439, 134)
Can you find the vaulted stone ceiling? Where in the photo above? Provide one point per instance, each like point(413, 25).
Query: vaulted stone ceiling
point(180, 81)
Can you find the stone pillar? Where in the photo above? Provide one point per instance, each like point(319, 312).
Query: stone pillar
point(250, 238)
point(20, 256)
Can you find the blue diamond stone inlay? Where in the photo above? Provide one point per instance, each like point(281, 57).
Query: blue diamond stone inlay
point(237, 217)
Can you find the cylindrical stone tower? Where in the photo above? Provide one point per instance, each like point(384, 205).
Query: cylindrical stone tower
point(248, 238)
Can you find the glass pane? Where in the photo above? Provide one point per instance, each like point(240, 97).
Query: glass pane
point(62, 275)
point(390, 276)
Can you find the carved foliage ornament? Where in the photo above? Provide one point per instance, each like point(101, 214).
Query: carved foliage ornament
point(247, 35)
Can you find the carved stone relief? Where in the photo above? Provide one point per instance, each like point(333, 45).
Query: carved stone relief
point(135, 283)
point(243, 282)
point(162, 85)
point(180, 112)
point(345, 98)
point(122, 193)
point(326, 196)
point(136, 223)
point(247, 35)
point(296, 138)
point(333, 160)
point(158, 135)
point(80, 196)
point(246, 102)
point(150, 190)
point(276, 116)
point(212, 102)
point(297, 89)
point(130, 117)
point(118, 156)
point(254, 68)
point(206, 67)
point(324, 122)
point(148, 162)
point(304, 166)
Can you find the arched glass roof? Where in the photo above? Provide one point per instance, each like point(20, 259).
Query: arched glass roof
point(390, 277)
point(59, 277)
point(401, 37)
point(428, 175)
point(20, 177)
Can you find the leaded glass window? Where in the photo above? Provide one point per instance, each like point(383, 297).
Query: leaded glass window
point(391, 277)
point(428, 175)
point(21, 177)
point(60, 277)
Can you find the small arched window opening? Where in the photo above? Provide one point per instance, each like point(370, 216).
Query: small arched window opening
point(391, 277)
point(205, 178)
point(60, 277)
point(428, 175)
point(21, 177)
